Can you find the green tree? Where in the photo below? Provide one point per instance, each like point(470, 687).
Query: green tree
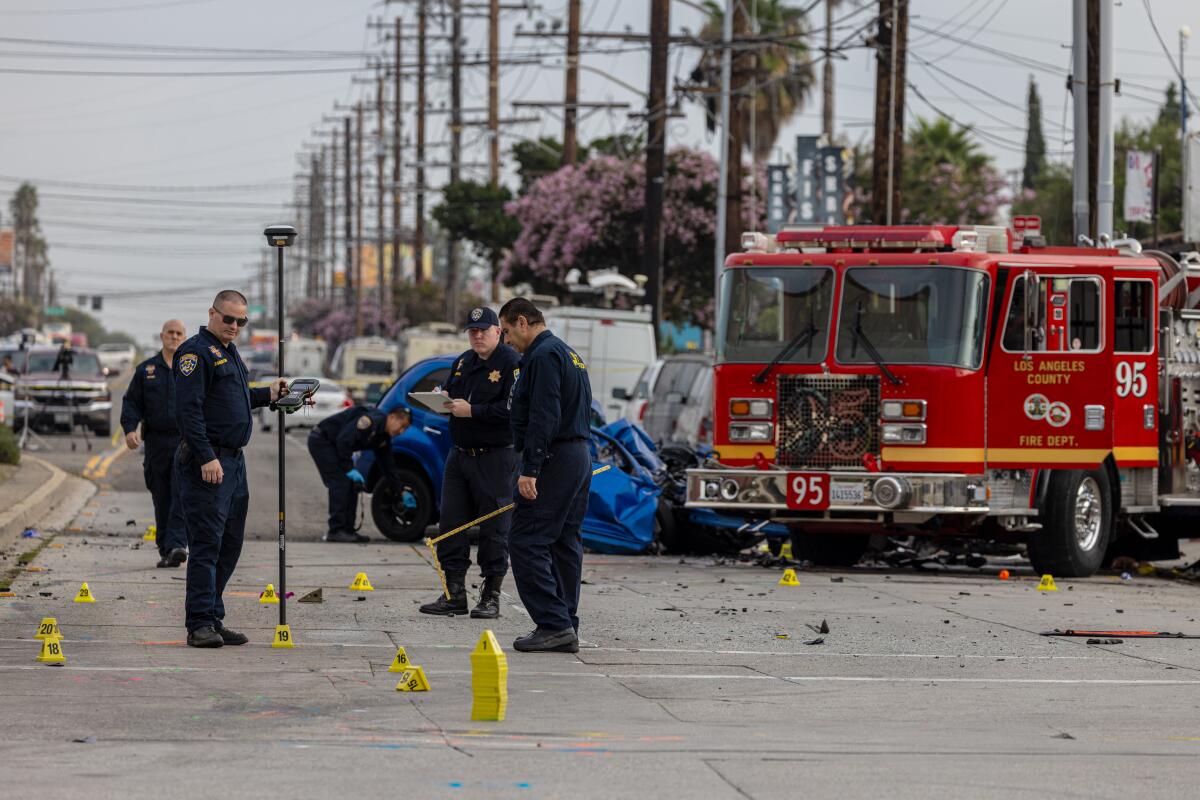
point(1035, 141)
point(538, 157)
point(1160, 136)
point(779, 64)
point(29, 247)
point(1050, 198)
point(475, 212)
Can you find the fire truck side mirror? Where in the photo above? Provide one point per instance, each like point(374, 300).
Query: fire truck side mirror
point(1033, 333)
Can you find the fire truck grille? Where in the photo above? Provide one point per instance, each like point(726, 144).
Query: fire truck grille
point(827, 422)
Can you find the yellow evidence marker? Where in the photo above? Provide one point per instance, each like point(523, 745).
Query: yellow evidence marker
point(268, 597)
point(85, 594)
point(283, 636)
point(413, 680)
point(400, 662)
point(789, 578)
point(48, 629)
point(1047, 584)
point(785, 550)
point(151, 533)
point(361, 583)
point(52, 652)
point(489, 680)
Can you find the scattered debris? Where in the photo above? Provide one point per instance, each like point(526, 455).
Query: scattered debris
point(1106, 641)
point(818, 640)
point(822, 628)
point(1062, 736)
point(315, 596)
point(1125, 634)
point(29, 533)
point(837, 579)
point(85, 740)
point(130, 522)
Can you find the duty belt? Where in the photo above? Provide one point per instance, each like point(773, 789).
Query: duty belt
point(478, 451)
point(230, 452)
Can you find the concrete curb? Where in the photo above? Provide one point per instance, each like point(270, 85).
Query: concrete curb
point(34, 508)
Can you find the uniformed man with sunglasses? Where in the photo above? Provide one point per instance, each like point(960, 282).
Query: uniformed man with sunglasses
point(213, 400)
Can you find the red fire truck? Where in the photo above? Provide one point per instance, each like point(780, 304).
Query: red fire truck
point(966, 381)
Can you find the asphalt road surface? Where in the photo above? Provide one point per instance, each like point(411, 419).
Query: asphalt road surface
point(706, 680)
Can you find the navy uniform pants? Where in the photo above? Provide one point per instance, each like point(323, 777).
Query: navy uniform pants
point(158, 468)
point(472, 486)
point(545, 543)
point(343, 499)
point(216, 527)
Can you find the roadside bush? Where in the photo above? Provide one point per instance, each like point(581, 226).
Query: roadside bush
point(10, 453)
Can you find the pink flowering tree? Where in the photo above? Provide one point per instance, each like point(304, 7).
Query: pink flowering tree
point(590, 216)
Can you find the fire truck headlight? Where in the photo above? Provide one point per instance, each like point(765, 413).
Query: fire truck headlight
point(903, 409)
point(729, 489)
point(752, 407)
point(752, 432)
point(891, 492)
point(904, 434)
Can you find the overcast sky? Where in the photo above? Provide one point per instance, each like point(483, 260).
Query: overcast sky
point(76, 134)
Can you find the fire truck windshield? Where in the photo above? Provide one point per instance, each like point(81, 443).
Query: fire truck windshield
point(913, 315)
point(766, 308)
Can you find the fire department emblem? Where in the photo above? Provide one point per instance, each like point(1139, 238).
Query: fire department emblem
point(1058, 414)
point(1036, 406)
point(187, 364)
point(494, 376)
point(476, 314)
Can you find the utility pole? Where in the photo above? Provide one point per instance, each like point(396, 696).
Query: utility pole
point(890, 60)
point(827, 76)
point(397, 155)
point(1093, 111)
point(733, 214)
point(1104, 147)
point(348, 201)
point(358, 217)
point(380, 159)
point(419, 224)
point(656, 142)
point(571, 99)
point(722, 246)
point(1079, 92)
point(333, 177)
point(455, 151)
point(494, 119)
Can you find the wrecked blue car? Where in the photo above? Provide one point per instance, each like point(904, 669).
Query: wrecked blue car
point(621, 512)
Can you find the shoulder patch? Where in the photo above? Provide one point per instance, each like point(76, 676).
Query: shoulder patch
point(576, 360)
point(216, 351)
point(150, 370)
point(364, 422)
point(187, 363)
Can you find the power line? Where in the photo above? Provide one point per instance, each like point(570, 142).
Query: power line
point(48, 12)
point(122, 187)
point(173, 48)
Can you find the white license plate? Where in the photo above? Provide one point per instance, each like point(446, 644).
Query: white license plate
point(845, 493)
point(62, 419)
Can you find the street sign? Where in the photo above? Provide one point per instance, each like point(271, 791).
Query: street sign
point(55, 311)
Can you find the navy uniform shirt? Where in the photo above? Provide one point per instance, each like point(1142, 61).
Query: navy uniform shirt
point(213, 397)
point(486, 385)
point(150, 399)
point(551, 400)
point(359, 428)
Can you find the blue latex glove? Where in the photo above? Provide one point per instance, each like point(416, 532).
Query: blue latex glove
point(356, 476)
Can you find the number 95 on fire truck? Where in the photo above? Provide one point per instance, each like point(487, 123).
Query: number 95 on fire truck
point(942, 380)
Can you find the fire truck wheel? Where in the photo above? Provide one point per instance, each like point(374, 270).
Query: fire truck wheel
point(830, 550)
point(1078, 524)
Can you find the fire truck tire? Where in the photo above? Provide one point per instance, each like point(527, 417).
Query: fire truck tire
point(830, 550)
point(1078, 525)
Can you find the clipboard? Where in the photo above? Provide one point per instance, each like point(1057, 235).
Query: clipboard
point(432, 401)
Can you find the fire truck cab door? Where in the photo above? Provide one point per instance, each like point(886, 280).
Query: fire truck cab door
point(1134, 376)
point(1049, 376)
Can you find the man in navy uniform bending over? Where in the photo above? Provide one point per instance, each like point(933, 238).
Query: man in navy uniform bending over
point(550, 414)
point(213, 400)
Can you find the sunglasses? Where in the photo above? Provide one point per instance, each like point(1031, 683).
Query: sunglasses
point(229, 319)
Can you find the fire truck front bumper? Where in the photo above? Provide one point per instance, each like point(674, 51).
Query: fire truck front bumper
point(799, 493)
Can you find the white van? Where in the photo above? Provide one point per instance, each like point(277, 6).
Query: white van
point(617, 345)
point(431, 339)
point(362, 363)
point(305, 356)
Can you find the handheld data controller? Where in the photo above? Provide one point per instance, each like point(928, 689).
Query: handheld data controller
point(299, 390)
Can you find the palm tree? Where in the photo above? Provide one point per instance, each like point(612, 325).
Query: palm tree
point(779, 67)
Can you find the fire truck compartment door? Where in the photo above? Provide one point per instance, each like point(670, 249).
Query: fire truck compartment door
point(1134, 375)
point(1051, 405)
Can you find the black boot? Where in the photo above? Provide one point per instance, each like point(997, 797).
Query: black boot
point(489, 599)
point(457, 604)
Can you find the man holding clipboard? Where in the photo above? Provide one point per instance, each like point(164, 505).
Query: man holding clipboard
point(481, 468)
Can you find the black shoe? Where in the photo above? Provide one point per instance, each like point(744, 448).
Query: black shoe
point(489, 599)
point(229, 637)
point(457, 604)
point(345, 537)
point(175, 557)
point(163, 561)
point(544, 641)
point(204, 637)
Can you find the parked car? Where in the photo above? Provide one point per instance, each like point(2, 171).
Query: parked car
point(54, 401)
point(636, 402)
point(7, 382)
point(679, 406)
point(330, 398)
point(117, 357)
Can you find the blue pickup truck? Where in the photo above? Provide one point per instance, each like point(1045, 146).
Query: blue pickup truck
point(625, 513)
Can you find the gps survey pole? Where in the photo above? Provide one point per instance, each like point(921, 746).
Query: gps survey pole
point(281, 237)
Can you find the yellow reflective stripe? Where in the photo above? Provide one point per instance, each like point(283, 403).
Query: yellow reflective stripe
point(1136, 453)
point(1039, 455)
point(744, 450)
point(970, 455)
